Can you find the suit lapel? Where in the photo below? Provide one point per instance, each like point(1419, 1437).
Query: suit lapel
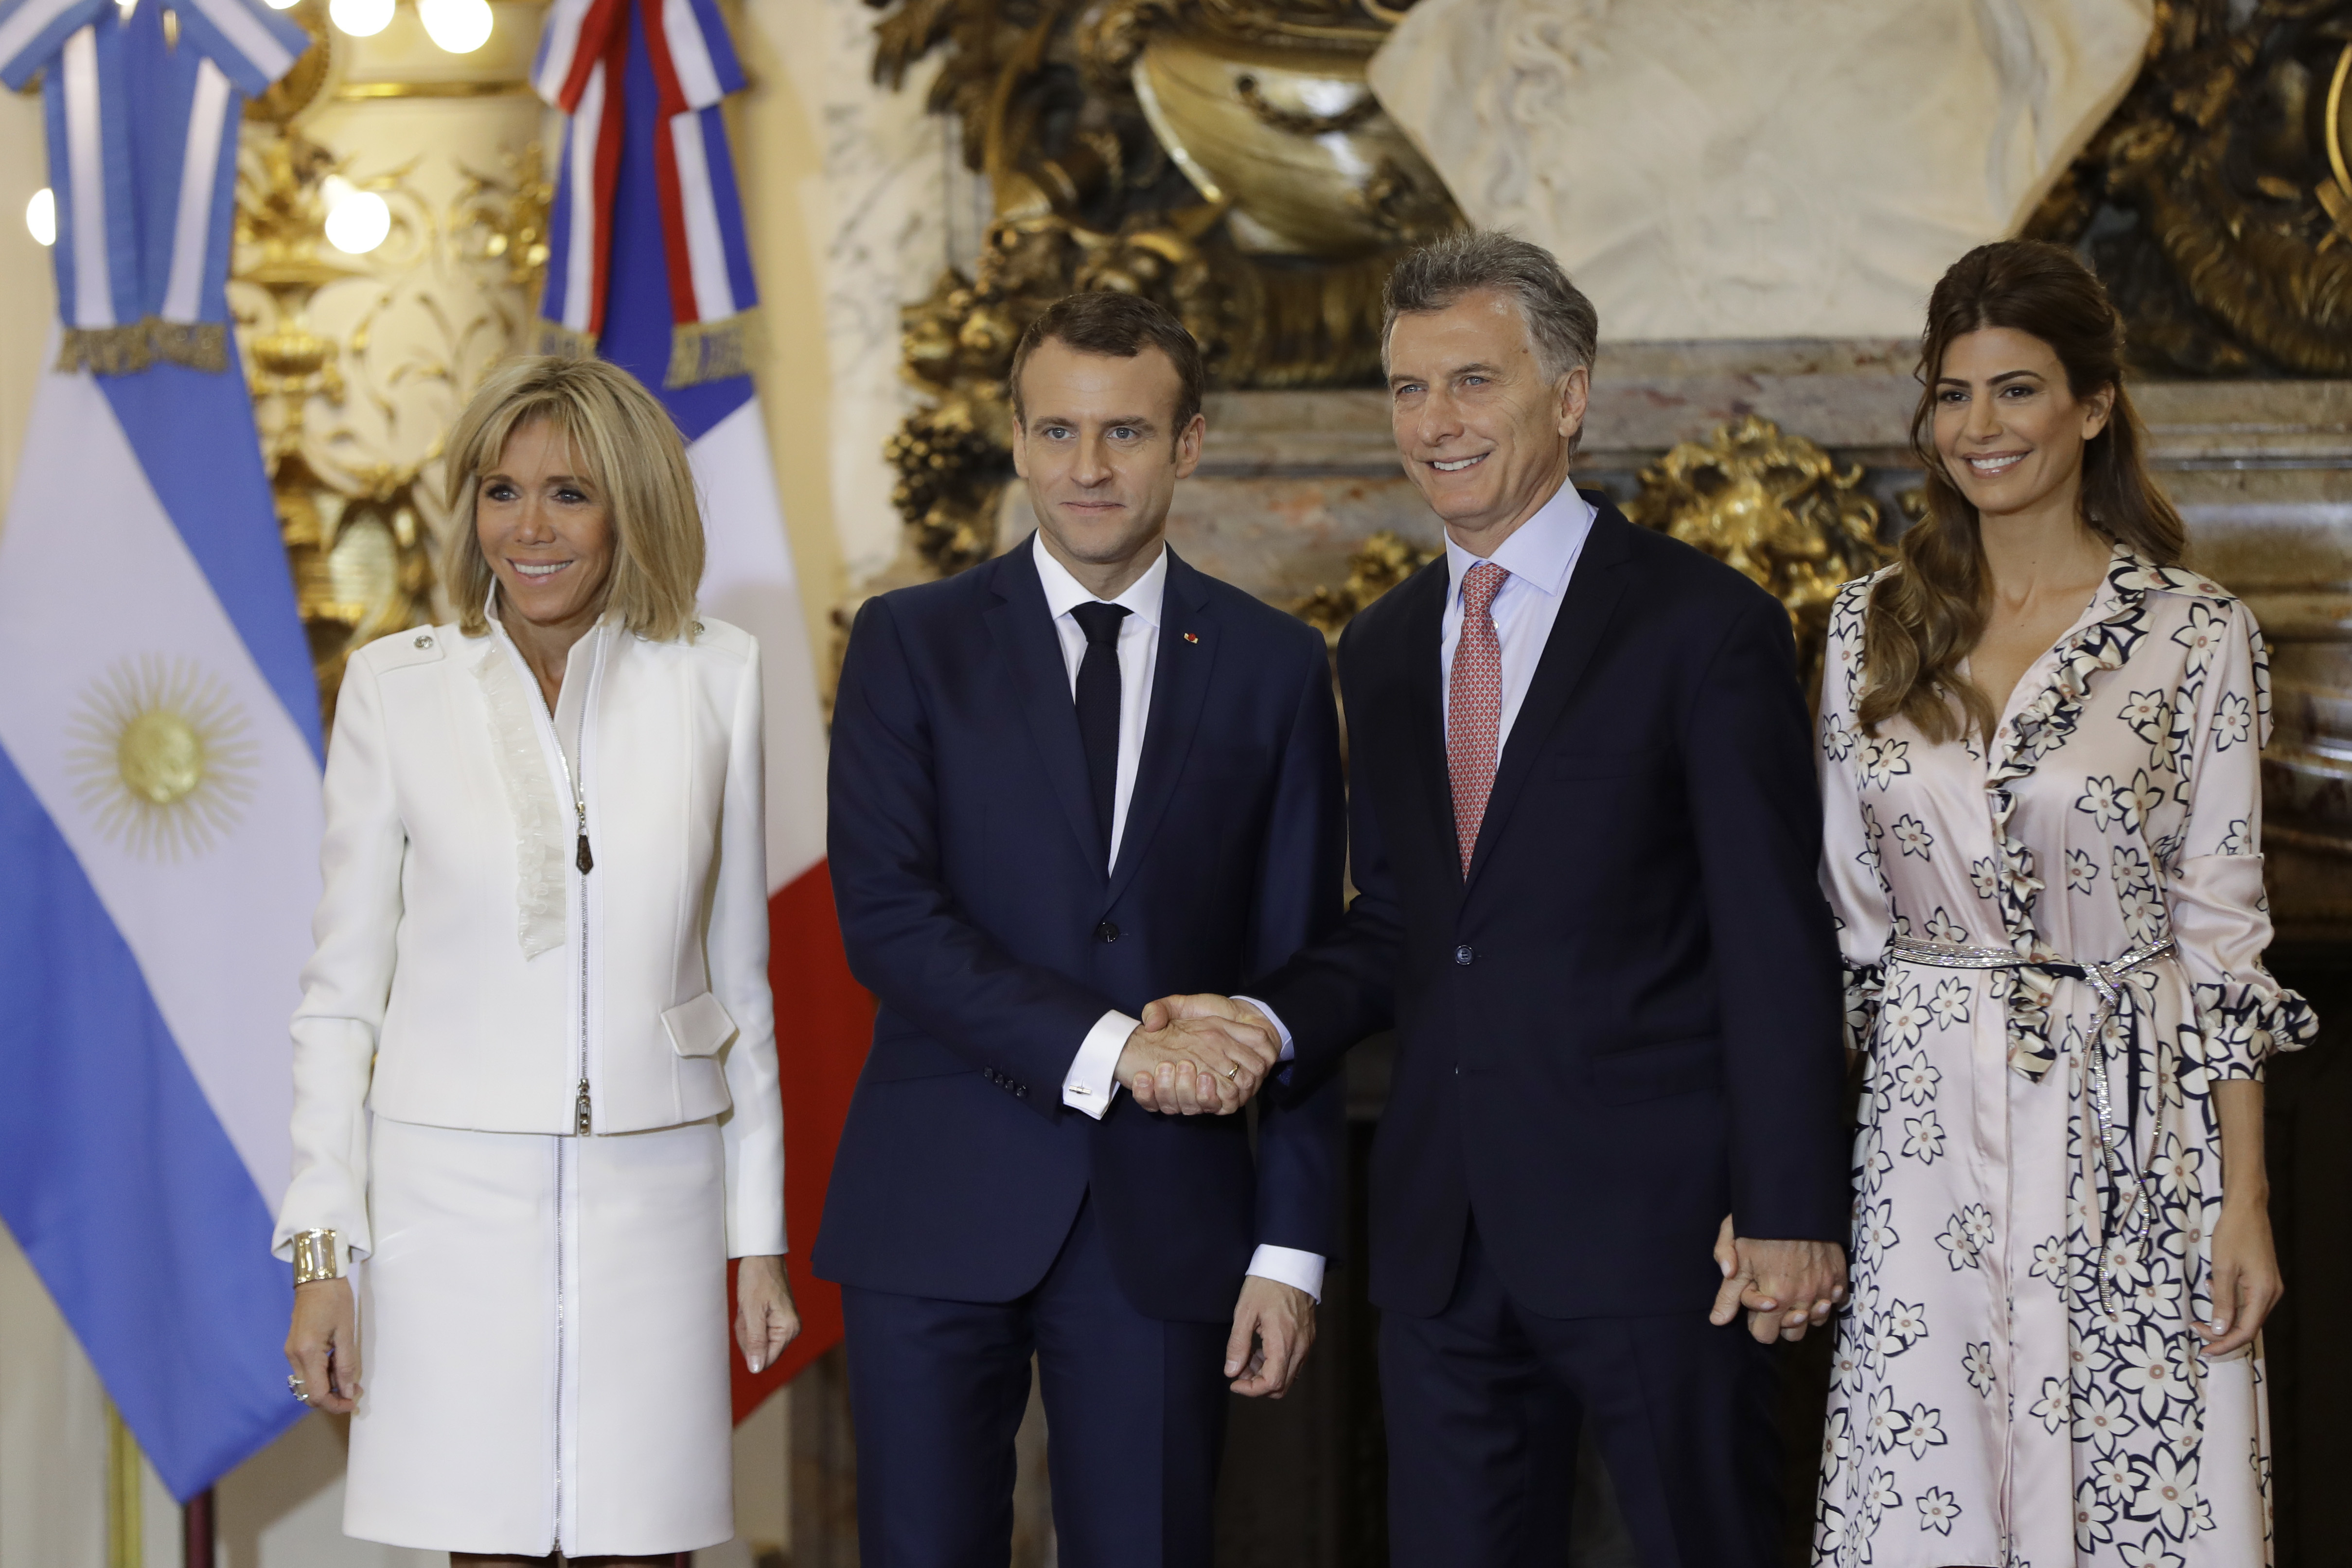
point(1422, 644)
point(1591, 595)
point(1179, 686)
point(1022, 630)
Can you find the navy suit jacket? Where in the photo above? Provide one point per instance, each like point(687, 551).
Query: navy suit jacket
point(1624, 1023)
point(975, 904)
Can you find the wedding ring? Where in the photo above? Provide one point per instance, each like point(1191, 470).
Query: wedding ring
point(294, 1387)
point(1232, 1072)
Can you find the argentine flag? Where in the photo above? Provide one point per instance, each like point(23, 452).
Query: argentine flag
point(158, 750)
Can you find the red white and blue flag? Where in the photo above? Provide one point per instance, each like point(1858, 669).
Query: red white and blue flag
point(648, 267)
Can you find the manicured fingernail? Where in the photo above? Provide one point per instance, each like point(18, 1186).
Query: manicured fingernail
point(757, 1363)
point(1766, 1304)
point(1232, 1368)
point(2220, 1325)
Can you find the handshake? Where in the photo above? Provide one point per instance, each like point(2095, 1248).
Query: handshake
point(1192, 1055)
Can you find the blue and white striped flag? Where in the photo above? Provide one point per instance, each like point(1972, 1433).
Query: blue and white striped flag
point(159, 752)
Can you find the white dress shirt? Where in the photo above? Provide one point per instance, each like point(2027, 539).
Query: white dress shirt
point(1540, 555)
point(1093, 1078)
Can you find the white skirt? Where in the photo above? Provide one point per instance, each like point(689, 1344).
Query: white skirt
point(544, 1344)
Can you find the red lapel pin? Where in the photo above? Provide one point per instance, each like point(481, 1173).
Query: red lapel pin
point(1190, 637)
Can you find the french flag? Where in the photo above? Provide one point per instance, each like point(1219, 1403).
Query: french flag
point(648, 267)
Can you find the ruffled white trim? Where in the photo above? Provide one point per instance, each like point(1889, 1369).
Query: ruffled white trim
point(540, 838)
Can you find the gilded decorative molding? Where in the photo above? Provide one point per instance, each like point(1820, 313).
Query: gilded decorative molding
point(448, 292)
point(1775, 507)
point(365, 91)
point(1379, 564)
point(2215, 202)
point(1223, 157)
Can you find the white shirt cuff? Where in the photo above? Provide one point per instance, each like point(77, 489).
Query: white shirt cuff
point(1093, 1077)
point(1289, 1053)
point(1289, 1265)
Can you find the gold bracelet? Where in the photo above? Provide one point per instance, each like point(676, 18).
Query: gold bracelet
point(314, 1257)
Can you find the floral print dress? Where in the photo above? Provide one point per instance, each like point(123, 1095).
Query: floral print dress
point(2019, 1382)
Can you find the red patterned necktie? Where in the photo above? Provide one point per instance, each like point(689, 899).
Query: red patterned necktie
point(1474, 705)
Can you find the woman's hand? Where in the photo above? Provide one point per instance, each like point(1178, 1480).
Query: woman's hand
point(765, 1319)
point(2246, 1282)
point(323, 1345)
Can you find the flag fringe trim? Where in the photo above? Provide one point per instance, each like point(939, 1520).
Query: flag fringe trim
point(126, 350)
point(555, 337)
point(717, 350)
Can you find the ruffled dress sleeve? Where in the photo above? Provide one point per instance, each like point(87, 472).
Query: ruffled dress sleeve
point(2213, 876)
point(1851, 878)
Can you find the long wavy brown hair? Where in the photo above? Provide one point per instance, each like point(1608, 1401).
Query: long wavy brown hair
point(1927, 614)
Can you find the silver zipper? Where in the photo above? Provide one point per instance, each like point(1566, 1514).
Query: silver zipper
point(557, 1522)
point(584, 860)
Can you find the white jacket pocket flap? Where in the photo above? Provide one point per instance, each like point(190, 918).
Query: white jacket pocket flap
point(698, 1028)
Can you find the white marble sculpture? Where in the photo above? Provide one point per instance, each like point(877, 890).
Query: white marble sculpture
point(1754, 169)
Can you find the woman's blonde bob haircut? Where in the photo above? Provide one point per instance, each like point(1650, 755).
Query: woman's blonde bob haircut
point(624, 445)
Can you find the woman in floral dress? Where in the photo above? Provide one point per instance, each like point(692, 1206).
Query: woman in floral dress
point(2038, 736)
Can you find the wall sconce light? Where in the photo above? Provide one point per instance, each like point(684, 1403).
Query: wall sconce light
point(457, 26)
point(357, 221)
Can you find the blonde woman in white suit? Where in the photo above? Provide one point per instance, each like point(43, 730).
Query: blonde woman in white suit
point(541, 964)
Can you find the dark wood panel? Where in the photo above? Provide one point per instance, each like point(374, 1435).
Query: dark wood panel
point(2308, 1139)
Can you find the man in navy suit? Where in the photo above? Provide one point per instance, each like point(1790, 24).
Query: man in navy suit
point(1075, 778)
point(1585, 837)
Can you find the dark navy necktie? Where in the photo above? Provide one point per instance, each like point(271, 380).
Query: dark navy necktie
point(1098, 705)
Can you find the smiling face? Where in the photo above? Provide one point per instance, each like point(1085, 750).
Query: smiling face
point(543, 528)
point(2009, 429)
point(1484, 434)
point(1098, 449)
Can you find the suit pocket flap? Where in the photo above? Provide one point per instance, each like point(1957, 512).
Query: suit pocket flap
point(698, 1028)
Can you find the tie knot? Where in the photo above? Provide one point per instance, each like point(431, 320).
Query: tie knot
point(1479, 586)
point(1099, 622)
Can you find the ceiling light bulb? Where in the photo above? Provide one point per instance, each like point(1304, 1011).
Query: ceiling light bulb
point(41, 216)
point(358, 222)
point(460, 26)
point(361, 19)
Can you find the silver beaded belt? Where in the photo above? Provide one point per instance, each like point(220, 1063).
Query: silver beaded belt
point(2129, 1210)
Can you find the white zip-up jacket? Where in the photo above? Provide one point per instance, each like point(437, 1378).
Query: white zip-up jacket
point(469, 975)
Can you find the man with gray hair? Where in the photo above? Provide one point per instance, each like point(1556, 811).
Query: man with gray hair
point(1585, 840)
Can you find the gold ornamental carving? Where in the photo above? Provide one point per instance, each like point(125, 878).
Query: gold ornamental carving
point(2215, 202)
point(1223, 157)
point(1383, 560)
point(448, 292)
point(1775, 507)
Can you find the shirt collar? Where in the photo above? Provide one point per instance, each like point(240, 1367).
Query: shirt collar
point(1539, 550)
point(1062, 591)
point(585, 646)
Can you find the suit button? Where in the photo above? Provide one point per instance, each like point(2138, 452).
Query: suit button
point(1106, 932)
point(1462, 954)
point(1021, 1093)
